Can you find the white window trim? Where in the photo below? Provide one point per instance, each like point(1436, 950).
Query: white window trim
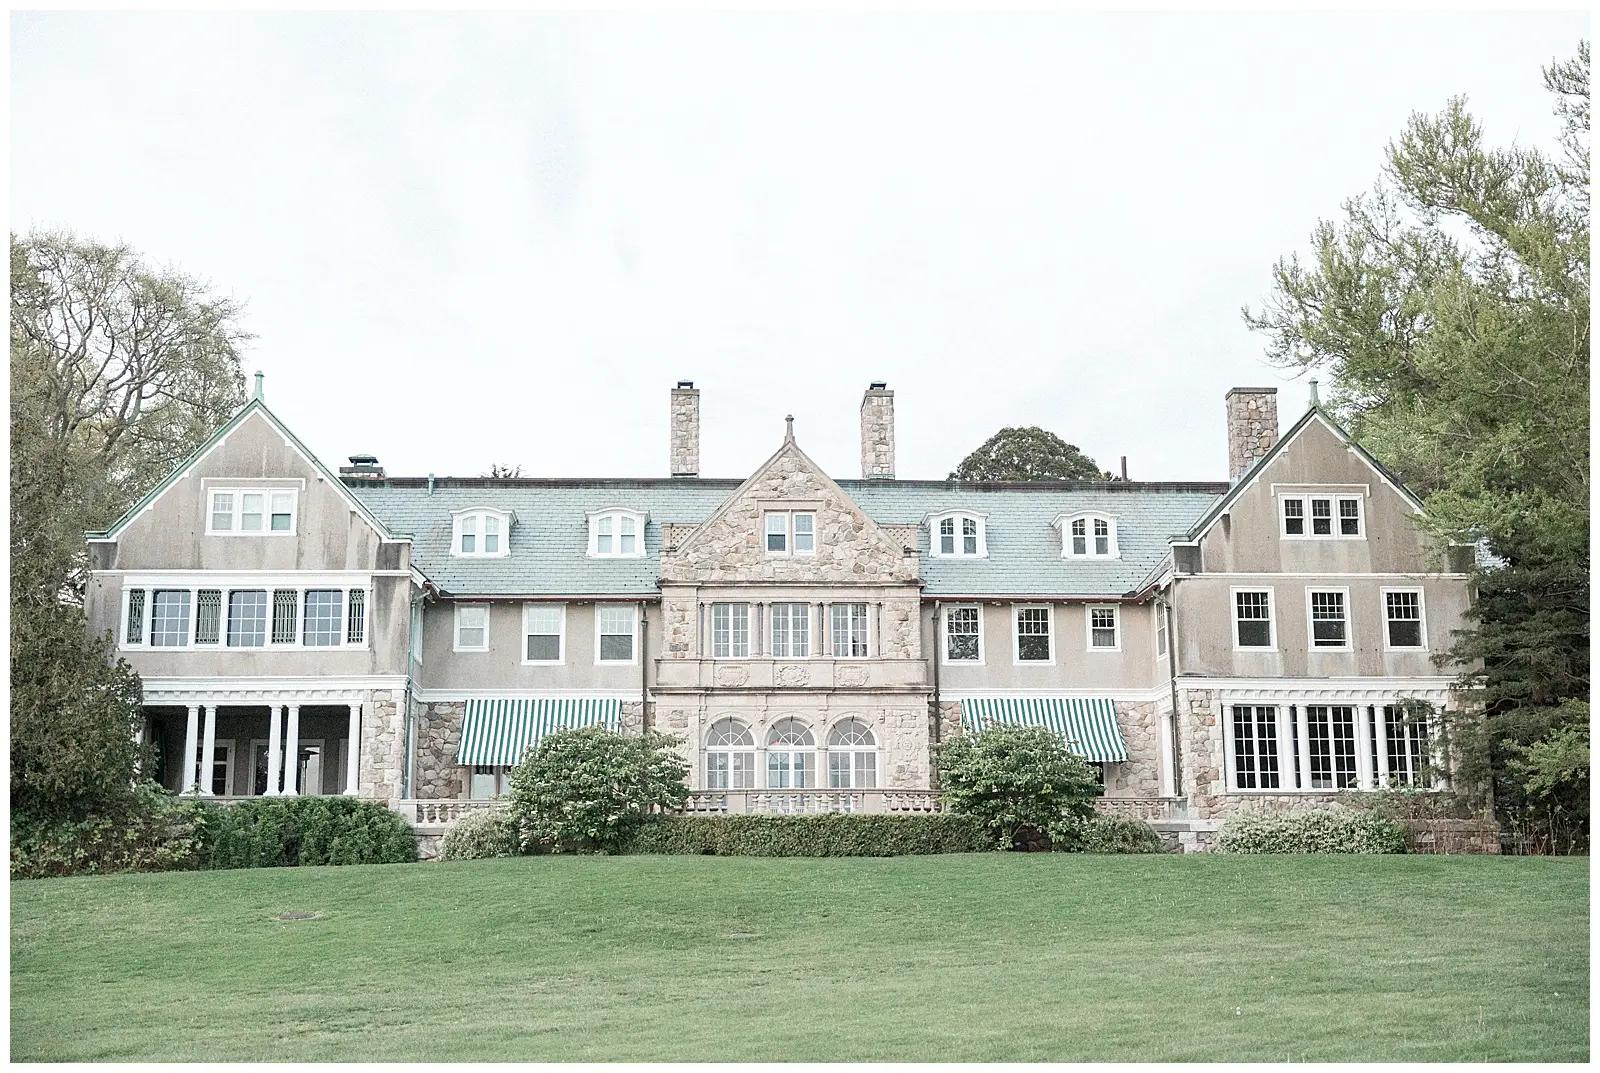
point(1422, 617)
point(192, 585)
point(944, 636)
point(1305, 499)
point(1088, 627)
point(1349, 621)
point(632, 662)
point(788, 551)
point(458, 516)
point(1016, 636)
point(771, 634)
point(872, 629)
point(1160, 622)
point(232, 745)
point(616, 513)
point(1288, 761)
point(980, 517)
point(561, 644)
point(1272, 617)
point(751, 651)
point(1063, 524)
point(455, 627)
point(238, 493)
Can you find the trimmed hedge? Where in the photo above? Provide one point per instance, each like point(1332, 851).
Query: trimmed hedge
point(273, 832)
point(1311, 831)
point(835, 834)
point(1106, 834)
point(152, 831)
point(479, 835)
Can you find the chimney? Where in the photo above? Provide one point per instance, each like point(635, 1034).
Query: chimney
point(362, 468)
point(1252, 426)
point(685, 438)
point(877, 431)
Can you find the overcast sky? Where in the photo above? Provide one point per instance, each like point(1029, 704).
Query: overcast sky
point(501, 238)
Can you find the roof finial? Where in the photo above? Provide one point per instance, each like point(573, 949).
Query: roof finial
point(788, 430)
point(260, 376)
point(1316, 403)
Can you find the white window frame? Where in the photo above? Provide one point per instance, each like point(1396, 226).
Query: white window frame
point(1334, 501)
point(786, 530)
point(458, 518)
point(749, 631)
point(266, 492)
point(633, 612)
point(875, 750)
point(1292, 730)
point(1016, 635)
point(944, 636)
point(561, 634)
point(1063, 524)
point(1088, 627)
point(231, 583)
point(616, 515)
point(1349, 621)
point(500, 773)
point(1162, 637)
point(959, 518)
point(1422, 617)
point(772, 633)
point(870, 633)
point(488, 619)
point(750, 751)
point(1272, 617)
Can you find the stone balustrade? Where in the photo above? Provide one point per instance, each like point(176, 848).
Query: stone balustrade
point(800, 802)
point(433, 816)
point(1139, 808)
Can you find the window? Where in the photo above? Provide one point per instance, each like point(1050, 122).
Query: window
point(135, 632)
point(208, 617)
point(1331, 516)
point(1255, 747)
point(196, 617)
point(1402, 611)
point(489, 781)
point(791, 753)
point(481, 533)
point(616, 534)
point(852, 756)
point(285, 607)
point(324, 618)
point(616, 625)
point(1331, 737)
point(1033, 635)
point(544, 629)
point(1161, 630)
point(1325, 748)
point(1406, 746)
point(1088, 536)
point(963, 634)
point(1252, 619)
point(251, 511)
point(959, 535)
point(849, 630)
point(791, 532)
point(730, 631)
point(169, 621)
point(247, 618)
point(356, 628)
point(1103, 629)
point(791, 631)
point(472, 628)
point(730, 756)
point(1330, 626)
point(222, 769)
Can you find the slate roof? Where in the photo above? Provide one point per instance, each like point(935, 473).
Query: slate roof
point(549, 541)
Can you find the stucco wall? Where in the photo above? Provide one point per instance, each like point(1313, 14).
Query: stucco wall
point(502, 667)
point(1076, 666)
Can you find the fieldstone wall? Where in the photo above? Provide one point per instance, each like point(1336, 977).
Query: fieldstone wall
point(1252, 426)
point(438, 776)
point(383, 747)
point(877, 433)
point(684, 448)
point(1140, 775)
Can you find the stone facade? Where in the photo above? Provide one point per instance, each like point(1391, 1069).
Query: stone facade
point(1140, 775)
point(685, 436)
point(437, 774)
point(1252, 426)
point(877, 432)
point(383, 747)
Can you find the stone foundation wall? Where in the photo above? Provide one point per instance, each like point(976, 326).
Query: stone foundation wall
point(383, 746)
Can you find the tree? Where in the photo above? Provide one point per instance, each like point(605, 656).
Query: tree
point(1022, 782)
point(1028, 454)
point(496, 470)
point(1450, 306)
point(589, 790)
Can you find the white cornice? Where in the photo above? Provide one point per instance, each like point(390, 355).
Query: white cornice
point(223, 689)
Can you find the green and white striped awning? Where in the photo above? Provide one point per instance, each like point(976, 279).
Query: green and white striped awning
point(499, 732)
point(1089, 726)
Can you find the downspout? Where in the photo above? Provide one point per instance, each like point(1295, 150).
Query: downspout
point(938, 720)
point(412, 631)
point(1172, 679)
point(644, 671)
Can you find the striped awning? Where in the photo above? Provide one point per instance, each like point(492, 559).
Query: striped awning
point(500, 731)
point(1088, 726)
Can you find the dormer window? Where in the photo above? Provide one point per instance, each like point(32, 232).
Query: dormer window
point(1088, 536)
point(958, 535)
point(616, 533)
point(482, 534)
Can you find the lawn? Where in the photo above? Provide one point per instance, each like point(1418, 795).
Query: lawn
point(986, 957)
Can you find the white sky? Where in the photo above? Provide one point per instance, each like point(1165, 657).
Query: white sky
point(501, 238)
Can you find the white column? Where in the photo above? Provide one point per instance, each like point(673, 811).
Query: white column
point(1380, 727)
point(208, 751)
point(1364, 774)
point(1303, 719)
point(352, 753)
point(274, 751)
point(190, 740)
point(291, 752)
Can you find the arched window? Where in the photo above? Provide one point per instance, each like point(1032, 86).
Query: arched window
point(958, 534)
point(616, 533)
point(852, 756)
point(482, 533)
point(1088, 536)
point(791, 756)
point(730, 756)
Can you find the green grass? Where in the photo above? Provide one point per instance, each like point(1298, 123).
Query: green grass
point(983, 957)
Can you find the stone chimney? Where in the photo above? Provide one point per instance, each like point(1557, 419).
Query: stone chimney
point(362, 468)
point(877, 431)
point(1252, 426)
point(685, 438)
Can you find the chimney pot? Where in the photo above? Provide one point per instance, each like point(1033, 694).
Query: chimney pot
point(1252, 426)
point(877, 431)
point(684, 436)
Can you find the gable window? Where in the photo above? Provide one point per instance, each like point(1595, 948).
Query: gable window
point(472, 628)
point(1103, 629)
point(791, 532)
point(730, 631)
point(791, 630)
point(169, 621)
point(849, 628)
point(250, 511)
point(1330, 622)
point(544, 629)
point(1328, 517)
point(1252, 618)
point(616, 534)
point(481, 534)
point(963, 634)
point(1088, 536)
point(1402, 614)
point(616, 625)
point(959, 535)
point(1034, 643)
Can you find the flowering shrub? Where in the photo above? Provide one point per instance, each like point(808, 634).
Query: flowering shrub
point(589, 790)
point(1105, 834)
point(1311, 831)
point(1020, 781)
point(491, 832)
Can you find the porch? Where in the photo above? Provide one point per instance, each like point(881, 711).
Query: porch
point(236, 750)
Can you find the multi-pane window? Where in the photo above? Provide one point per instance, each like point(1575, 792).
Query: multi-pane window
point(1349, 517)
point(730, 631)
point(135, 631)
point(617, 626)
point(1103, 628)
point(730, 756)
point(1406, 746)
point(1331, 738)
point(616, 534)
point(1328, 747)
point(791, 755)
point(1333, 516)
point(208, 617)
point(1033, 634)
point(324, 618)
point(1161, 630)
point(543, 627)
point(1321, 517)
point(963, 634)
point(1255, 747)
point(251, 510)
point(848, 626)
point(169, 618)
point(1330, 623)
point(791, 630)
point(481, 533)
point(805, 533)
point(959, 536)
point(852, 756)
point(285, 608)
point(247, 618)
point(472, 627)
point(1402, 609)
point(1252, 616)
point(1294, 517)
point(489, 781)
point(1091, 537)
point(222, 512)
point(244, 618)
point(790, 532)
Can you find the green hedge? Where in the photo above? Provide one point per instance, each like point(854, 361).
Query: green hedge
point(150, 831)
point(272, 832)
point(1105, 834)
point(478, 835)
point(824, 835)
point(1311, 831)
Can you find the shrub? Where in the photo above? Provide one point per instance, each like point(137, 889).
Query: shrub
point(1105, 834)
point(1020, 781)
point(589, 790)
point(1311, 831)
point(271, 832)
point(153, 831)
point(835, 834)
point(490, 832)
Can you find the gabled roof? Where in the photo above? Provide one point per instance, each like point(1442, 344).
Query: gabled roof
point(254, 406)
